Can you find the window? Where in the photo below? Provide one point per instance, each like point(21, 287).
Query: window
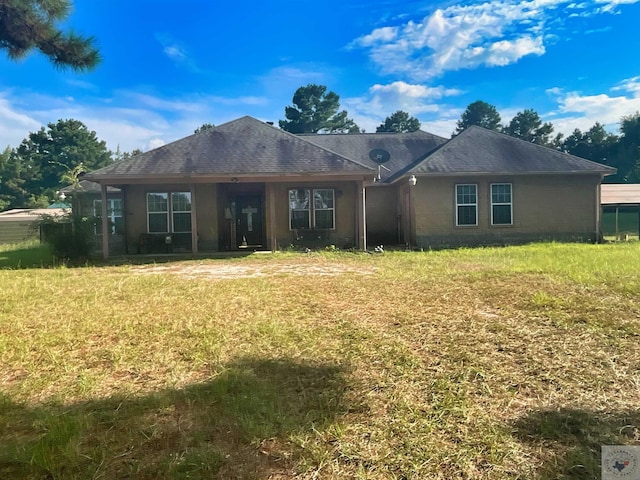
point(501, 204)
point(164, 216)
point(323, 210)
point(466, 205)
point(114, 215)
point(305, 214)
point(299, 209)
point(181, 210)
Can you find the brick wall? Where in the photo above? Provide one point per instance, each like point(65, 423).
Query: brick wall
point(545, 207)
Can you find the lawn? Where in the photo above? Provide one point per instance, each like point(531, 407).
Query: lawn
point(496, 363)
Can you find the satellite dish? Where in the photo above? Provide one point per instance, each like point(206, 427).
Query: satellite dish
point(379, 155)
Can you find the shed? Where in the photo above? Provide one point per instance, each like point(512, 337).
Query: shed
point(19, 224)
point(620, 209)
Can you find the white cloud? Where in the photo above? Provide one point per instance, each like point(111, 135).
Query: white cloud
point(381, 101)
point(15, 124)
point(610, 6)
point(576, 110)
point(128, 119)
point(384, 34)
point(177, 53)
point(490, 33)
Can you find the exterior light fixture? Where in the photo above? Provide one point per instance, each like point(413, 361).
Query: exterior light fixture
point(413, 180)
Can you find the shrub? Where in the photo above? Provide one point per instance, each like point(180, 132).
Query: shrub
point(70, 237)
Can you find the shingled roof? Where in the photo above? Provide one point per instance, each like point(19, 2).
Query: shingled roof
point(479, 151)
point(404, 148)
point(243, 146)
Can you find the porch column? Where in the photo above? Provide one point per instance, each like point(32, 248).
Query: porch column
point(361, 216)
point(272, 231)
point(194, 221)
point(105, 221)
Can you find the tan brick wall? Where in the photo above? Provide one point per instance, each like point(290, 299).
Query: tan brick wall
point(544, 207)
point(205, 204)
point(345, 217)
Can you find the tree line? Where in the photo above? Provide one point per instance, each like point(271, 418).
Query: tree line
point(51, 158)
point(621, 151)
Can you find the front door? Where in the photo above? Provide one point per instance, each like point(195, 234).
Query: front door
point(249, 221)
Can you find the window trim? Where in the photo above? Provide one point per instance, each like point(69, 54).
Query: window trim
point(509, 203)
point(169, 212)
point(312, 208)
point(475, 204)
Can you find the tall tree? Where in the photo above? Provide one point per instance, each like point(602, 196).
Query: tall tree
point(628, 154)
point(316, 110)
point(528, 126)
point(595, 144)
point(31, 24)
point(47, 155)
point(481, 114)
point(14, 180)
point(399, 122)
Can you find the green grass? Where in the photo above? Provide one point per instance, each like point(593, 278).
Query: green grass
point(495, 363)
point(27, 254)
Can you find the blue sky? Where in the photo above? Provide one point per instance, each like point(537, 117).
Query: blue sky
point(171, 65)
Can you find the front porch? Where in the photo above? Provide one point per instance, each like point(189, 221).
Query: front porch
point(235, 216)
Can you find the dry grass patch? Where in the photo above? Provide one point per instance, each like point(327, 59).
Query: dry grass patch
point(489, 363)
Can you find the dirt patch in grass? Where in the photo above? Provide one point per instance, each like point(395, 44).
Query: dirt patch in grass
point(229, 271)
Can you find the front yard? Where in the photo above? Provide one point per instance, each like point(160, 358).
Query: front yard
point(502, 363)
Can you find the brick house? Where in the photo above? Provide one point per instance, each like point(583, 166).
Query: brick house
point(248, 185)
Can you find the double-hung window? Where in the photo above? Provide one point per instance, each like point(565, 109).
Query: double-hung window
point(466, 205)
point(169, 212)
point(114, 215)
point(312, 208)
point(501, 204)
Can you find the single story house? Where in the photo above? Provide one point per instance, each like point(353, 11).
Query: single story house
point(249, 185)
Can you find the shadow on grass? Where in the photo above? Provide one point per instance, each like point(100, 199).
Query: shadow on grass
point(239, 425)
point(40, 256)
point(36, 256)
point(570, 440)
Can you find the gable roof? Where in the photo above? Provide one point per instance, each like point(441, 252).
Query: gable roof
point(404, 148)
point(479, 151)
point(245, 146)
point(85, 186)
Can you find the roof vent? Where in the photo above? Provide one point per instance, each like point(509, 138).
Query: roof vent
point(269, 123)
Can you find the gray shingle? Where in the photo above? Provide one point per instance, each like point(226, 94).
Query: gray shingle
point(404, 148)
point(480, 151)
point(242, 146)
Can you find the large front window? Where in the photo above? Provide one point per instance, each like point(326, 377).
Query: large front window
point(169, 212)
point(466, 205)
point(501, 204)
point(305, 213)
